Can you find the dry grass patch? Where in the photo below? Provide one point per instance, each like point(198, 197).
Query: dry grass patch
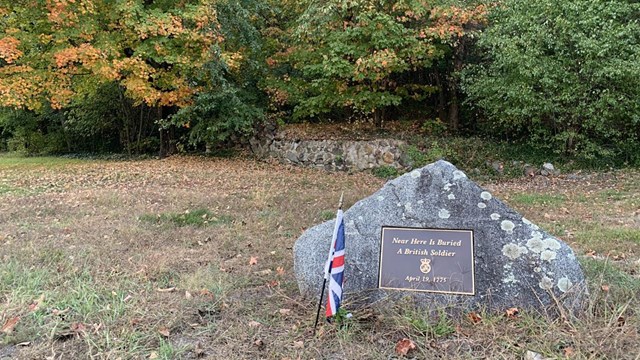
point(86, 278)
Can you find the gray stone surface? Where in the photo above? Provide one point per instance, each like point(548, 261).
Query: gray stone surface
point(548, 166)
point(517, 264)
point(332, 154)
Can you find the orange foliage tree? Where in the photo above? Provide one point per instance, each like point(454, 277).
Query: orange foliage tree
point(55, 51)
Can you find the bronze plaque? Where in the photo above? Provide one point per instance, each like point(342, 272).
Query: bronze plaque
point(431, 260)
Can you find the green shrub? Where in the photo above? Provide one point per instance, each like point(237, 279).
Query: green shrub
point(34, 134)
point(562, 74)
point(385, 172)
point(414, 156)
point(434, 127)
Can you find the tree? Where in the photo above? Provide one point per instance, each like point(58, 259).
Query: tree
point(229, 105)
point(365, 56)
point(54, 52)
point(563, 73)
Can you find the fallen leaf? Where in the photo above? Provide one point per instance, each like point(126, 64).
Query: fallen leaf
point(153, 355)
point(78, 327)
point(259, 343)
point(568, 351)
point(280, 270)
point(253, 323)
point(605, 288)
point(166, 290)
point(619, 257)
point(403, 346)
point(474, 317)
point(164, 331)
point(34, 306)
point(532, 355)
point(298, 344)
point(59, 312)
point(188, 295)
point(263, 272)
point(460, 331)
point(512, 313)
point(253, 260)
point(284, 311)
point(198, 350)
point(8, 326)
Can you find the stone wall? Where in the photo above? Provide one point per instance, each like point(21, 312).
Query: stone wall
point(332, 154)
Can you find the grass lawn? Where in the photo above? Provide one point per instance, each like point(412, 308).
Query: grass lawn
point(192, 258)
point(9, 161)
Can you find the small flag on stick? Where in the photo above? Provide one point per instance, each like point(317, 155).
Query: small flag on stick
point(336, 268)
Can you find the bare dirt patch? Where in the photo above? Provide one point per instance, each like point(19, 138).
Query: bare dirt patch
point(87, 277)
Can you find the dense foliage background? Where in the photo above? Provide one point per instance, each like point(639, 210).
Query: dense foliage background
point(145, 76)
point(565, 74)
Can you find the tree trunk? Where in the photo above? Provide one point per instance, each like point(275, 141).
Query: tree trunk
point(378, 117)
point(66, 135)
point(454, 103)
point(172, 146)
point(163, 140)
point(140, 124)
point(442, 102)
point(454, 106)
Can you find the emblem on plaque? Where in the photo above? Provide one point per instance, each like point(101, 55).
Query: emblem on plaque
point(425, 265)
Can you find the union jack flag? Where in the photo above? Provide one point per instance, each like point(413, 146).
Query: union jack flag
point(335, 267)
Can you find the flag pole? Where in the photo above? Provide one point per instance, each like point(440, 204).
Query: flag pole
point(327, 267)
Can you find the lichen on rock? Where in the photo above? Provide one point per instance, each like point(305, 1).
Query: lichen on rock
point(457, 174)
point(548, 255)
point(552, 243)
point(564, 284)
point(546, 283)
point(507, 225)
point(535, 244)
point(513, 251)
